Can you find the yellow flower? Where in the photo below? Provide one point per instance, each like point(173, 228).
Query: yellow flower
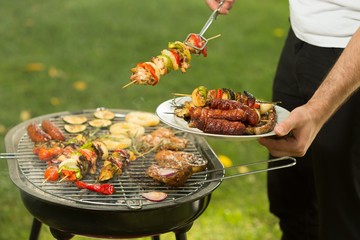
point(243, 169)
point(2, 129)
point(80, 85)
point(55, 101)
point(53, 72)
point(225, 160)
point(34, 67)
point(25, 115)
point(278, 32)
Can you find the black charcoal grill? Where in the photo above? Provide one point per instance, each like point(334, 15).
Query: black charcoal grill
point(69, 211)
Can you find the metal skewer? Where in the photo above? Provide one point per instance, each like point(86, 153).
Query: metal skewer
point(16, 155)
point(291, 162)
point(211, 19)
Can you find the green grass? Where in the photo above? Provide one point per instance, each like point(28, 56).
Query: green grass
point(96, 43)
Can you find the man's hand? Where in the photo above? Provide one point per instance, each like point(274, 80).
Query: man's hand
point(294, 134)
point(214, 4)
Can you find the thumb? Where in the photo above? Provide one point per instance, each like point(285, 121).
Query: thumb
point(283, 128)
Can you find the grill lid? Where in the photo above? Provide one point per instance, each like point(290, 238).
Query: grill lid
point(28, 173)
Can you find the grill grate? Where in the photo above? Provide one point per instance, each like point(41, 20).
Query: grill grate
point(128, 186)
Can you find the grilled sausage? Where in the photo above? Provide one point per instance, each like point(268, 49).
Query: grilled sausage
point(265, 125)
point(36, 134)
point(252, 116)
point(54, 132)
point(231, 115)
point(218, 126)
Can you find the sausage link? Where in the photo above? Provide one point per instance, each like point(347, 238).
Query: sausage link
point(36, 134)
point(54, 132)
point(266, 127)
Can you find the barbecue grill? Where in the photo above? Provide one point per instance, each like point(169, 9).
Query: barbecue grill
point(69, 211)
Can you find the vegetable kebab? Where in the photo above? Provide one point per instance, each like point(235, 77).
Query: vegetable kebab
point(177, 56)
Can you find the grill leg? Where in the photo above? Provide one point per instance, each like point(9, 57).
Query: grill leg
point(181, 233)
point(181, 236)
point(35, 229)
point(60, 235)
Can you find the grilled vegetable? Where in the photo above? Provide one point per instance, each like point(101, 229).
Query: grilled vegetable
point(51, 173)
point(196, 41)
point(114, 163)
point(106, 188)
point(176, 56)
point(73, 169)
point(154, 196)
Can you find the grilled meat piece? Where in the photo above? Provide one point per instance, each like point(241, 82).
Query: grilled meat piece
point(174, 158)
point(174, 177)
point(169, 170)
point(162, 138)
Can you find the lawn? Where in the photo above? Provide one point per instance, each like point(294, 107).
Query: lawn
point(70, 55)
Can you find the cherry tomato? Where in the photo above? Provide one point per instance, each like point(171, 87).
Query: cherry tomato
point(51, 173)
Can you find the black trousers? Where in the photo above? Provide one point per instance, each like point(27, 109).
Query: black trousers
point(319, 198)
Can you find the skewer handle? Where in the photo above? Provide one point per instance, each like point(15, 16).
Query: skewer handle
point(291, 162)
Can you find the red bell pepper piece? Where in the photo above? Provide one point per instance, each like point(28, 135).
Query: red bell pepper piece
point(106, 188)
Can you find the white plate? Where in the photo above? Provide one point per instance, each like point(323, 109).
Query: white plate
point(165, 111)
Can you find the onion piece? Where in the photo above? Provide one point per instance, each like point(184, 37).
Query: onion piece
point(154, 196)
point(166, 172)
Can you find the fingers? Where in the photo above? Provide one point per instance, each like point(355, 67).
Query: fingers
point(214, 4)
point(284, 146)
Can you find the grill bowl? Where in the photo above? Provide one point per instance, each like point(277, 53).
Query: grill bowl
point(66, 208)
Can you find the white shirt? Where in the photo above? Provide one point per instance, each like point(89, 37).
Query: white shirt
point(325, 23)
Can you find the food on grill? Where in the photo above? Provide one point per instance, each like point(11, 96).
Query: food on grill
point(144, 119)
point(174, 158)
point(224, 111)
point(173, 168)
point(114, 163)
point(75, 128)
point(51, 173)
point(36, 134)
point(73, 169)
point(154, 196)
point(54, 132)
point(177, 56)
point(129, 129)
point(174, 176)
point(162, 138)
point(75, 119)
point(116, 141)
point(104, 114)
point(100, 123)
point(105, 188)
point(46, 151)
